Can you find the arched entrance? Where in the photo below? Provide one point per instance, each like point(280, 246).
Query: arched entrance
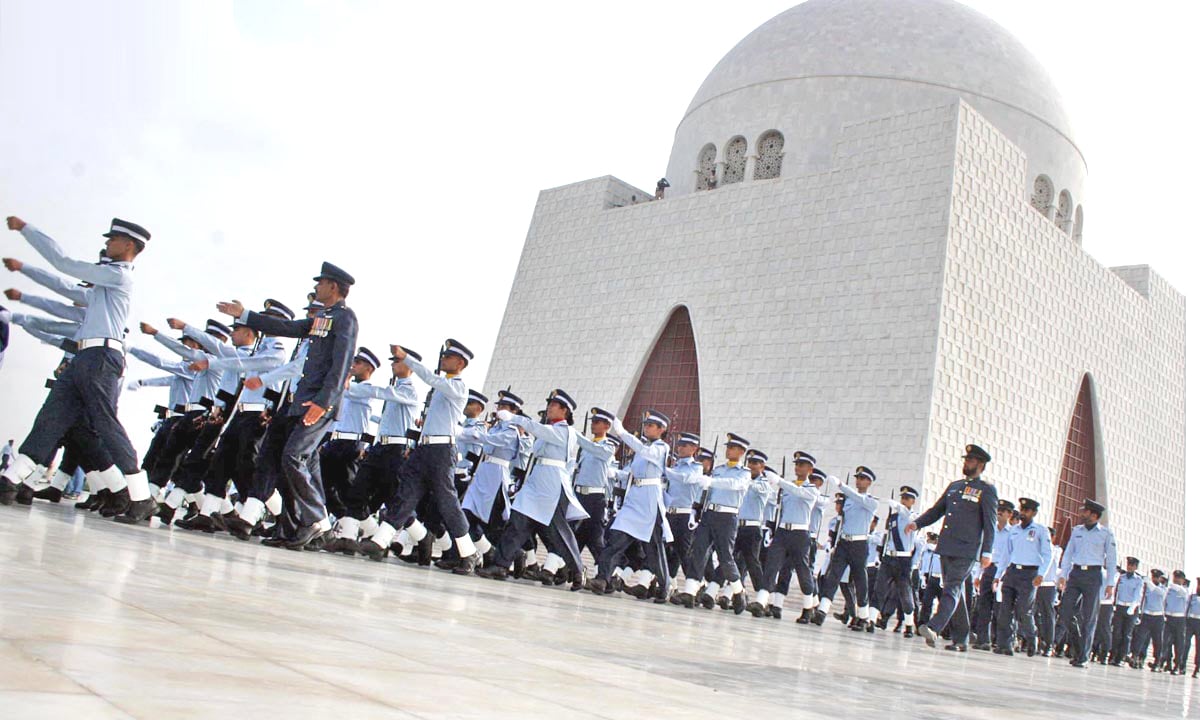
point(670, 382)
point(1077, 477)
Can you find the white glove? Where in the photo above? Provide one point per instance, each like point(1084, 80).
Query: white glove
point(1131, 609)
point(504, 415)
point(617, 427)
point(133, 385)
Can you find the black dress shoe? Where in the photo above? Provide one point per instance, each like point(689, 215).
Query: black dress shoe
point(576, 582)
point(49, 493)
point(531, 572)
point(138, 512)
point(467, 565)
point(739, 603)
point(563, 575)
point(806, 616)
point(660, 599)
point(335, 545)
point(165, 514)
point(597, 585)
point(317, 544)
point(303, 536)
point(24, 495)
point(1030, 649)
point(218, 522)
point(264, 529)
point(956, 647)
point(776, 612)
point(706, 601)
point(372, 550)
point(908, 631)
point(930, 636)
point(818, 618)
point(274, 540)
point(638, 591)
point(8, 491)
point(723, 602)
point(756, 609)
point(870, 627)
point(117, 504)
point(1079, 663)
point(495, 572)
point(424, 550)
point(856, 626)
point(447, 563)
point(237, 527)
point(94, 500)
point(687, 600)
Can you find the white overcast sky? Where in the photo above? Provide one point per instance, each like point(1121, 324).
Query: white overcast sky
point(407, 143)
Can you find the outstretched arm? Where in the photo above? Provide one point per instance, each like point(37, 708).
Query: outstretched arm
point(105, 275)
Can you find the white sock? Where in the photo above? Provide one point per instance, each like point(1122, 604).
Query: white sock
point(226, 506)
point(92, 478)
point(209, 505)
point(466, 548)
point(156, 492)
point(736, 587)
point(112, 479)
point(483, 545)
point(553, 563)
point(872, 614)
point(196, 499)
point(810, 602)
point(777, 599)
point(347, 528)
point(323, 525)
point(139, 486)
point(824, 605)
point(861, 613)
point(690, 587)
point(908, 619)
point(60, 480)
point(712, 589)
point(20, 468)
point(642, 577)
point(627, 575)
point(443, 542)
point(762, 597)
point(274, 503)
point(530, 557)
point(384, 535)
point(402, 537)
point(416, 531)
point(251, 512)
point(38, 473)
point(175, 499)
point(368, 527)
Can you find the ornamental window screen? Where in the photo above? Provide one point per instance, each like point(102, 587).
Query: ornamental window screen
point(706, 168)
point(1077, 231)
point(1062, 218)
point(1077, 477)
point(670, 382)
point(735, 161)
point(1043, 195)
point(770, 156)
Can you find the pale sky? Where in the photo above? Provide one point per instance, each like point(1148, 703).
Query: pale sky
point(407, 143)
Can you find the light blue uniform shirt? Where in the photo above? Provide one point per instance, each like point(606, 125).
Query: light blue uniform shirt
point(1177, 600)
point(685, 483)
point(754, 503)
point(595, 464)
point(445, 410)
point(1129, 589)
point(206, 382)
point(857, 511)
point(179, 381)
point(108, 301)
point(1193, 608)
point(1000, 547)
point(895, 538)
point(1154, 599)
point(354, 414)
point(501, 442)
point(728, 485)
point(289, 371)
point(400, 405)
point(643, 504)
point(1026, 546)
point(466, 442)
point(798, 503)
point(1091, 547)
point(544, 485)
point(818, 513)
point(54, 307)
point(269, 355)
point(74, 292)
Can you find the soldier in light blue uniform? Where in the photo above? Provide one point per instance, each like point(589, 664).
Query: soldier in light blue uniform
point(752, 516)
point(593, 481)
point(1174, 647)
point(893, 581)
point(486, 502)
point(89, 386)
point(1090, 551)
point(179, 382)
point(430, 466)
point(985, 613)
point(643, 516)
point(348, 440)
point(685, 487)
point(1150, 626)
point(546, 498)
point(851, 551)
point(717, 529)
point(789, 549)
point(1023, 558)
point(1128, 598)
point(1193, 630)
point(470, 452)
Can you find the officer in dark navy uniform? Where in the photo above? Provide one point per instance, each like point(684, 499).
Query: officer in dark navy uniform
point(969, 508)
point(333, 337)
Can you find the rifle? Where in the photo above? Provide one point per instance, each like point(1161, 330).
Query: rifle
point(704, 495)
point(587, 423)
point(231, 400)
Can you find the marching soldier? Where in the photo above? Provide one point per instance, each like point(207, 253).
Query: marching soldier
point(1090, 558)
point(684, 490)
point(342, 452)
point(486, 502)
point(593, 481)
point(1025, 558)
point(969, 528)
point(894, 579)
point(1128, 598)
point(986, 603)
point(1175, 626)
point(851, 552)
point(1150, 624)
point(332, 334)
point(747, 545)
point(1045, 610)
point(789, 549)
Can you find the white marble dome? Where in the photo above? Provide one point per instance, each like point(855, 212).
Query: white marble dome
point(820, 65)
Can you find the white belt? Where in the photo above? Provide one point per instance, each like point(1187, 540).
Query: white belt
point(723, 508)
point(1152, 614)
point(936, 575)
point(1182, 614)
point(345, 436)
point(794, 526)
point(498, 461)
point(436, 440)
point(193, 406)
point(551, 462)
point(393, 439)
point(99, 342)
point(582, 490)
point(749, 523)
point(1026, 567)
point(643, 482)
point(855, 538)
point(1087, 567)
point(678, 511)
point(1121, 604)
point(252, 407)
point(172, 413)
point(903, 553)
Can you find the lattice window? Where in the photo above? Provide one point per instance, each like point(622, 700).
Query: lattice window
point(1077, 478)
point(1043, 195)
point(735, 161)
point(670, 382)
point(770, 156)
point(1077, 231)
point(706, 168)
point(1062, 218)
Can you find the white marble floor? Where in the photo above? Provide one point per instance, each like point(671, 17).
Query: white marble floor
point(101, 620)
